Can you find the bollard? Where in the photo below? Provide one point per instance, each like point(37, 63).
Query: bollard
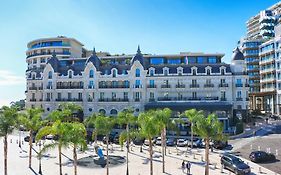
point(215, 166)
point(251, 147)
point(202, 158)
point(169, 151)
point(111, 148)
point(276, 152)
point(259, 148)
point(229, 173)
point(17, 141)
point(269, 150)
point(22, 142)
point(131, 148)
point(11, 141)
point(194, 156)
point(259, 169)
point(221, 169)
point(185, 154)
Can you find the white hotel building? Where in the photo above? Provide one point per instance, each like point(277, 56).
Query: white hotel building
point(61, 70)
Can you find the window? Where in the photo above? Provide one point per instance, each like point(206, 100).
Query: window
point(239, 94)
point(194, 82)
point(156, 60)
point(223, 94)
point(191, 60)
point(69, 96)
point(125, 95)
point(151, 95)
point(80, 96)
point(126, 83)
point(91, 84)
point(201, 60)
point(138, 83)
point(102, 111)
point(174, 61)
point(151, 83)
point(208, 81)
point(50, 75)
point(114, 73)
point(50, 85)
point(179, 72)
point(151, 72)
point(212, 60)
point(208, 72)
point(137, 96)
point(101, 95)
point(114, 84)
point(113, 95)
point(165, 72)
point(194, 71)
point(137, 72)
point(59, 96)
point(238, 81)
point(124, 72)
point(70, 74)
point(194, 95)
point(91, 74)
point(113, 112)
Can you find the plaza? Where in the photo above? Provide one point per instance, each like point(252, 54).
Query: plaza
point(138, 162)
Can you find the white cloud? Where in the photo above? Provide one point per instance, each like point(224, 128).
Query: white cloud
point(4, 103)
point(8, 78)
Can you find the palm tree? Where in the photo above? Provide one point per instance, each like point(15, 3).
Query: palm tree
point(89, 122)
point(32, 121)
point(76, 137)
point(8, 121)
point(192, 114)
point(127, 117)
point(104, 126)
point(208, 128)
point(59, 129)
point(163, 118)
point(149, 128)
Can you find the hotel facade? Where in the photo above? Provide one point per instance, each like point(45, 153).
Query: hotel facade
point(61, 70)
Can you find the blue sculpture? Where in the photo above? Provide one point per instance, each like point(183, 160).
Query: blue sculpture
point(99, 152)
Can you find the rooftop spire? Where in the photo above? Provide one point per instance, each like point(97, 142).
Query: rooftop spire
point(94, 51)
point(138, 51)
point(54, 54)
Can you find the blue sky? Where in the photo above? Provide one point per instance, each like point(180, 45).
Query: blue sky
point(118, 26)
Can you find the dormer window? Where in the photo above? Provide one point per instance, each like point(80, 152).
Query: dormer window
point(137, 72)
point(70, 74)
point(166, 72)
point(208, 72)
point(50, 75)
point(180, 72)
point(114, 73)
point(91, 74)
point(222, 71)
point(194, 72)
point(151, 72)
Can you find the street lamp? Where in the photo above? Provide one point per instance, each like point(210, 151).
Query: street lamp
point(40, 170)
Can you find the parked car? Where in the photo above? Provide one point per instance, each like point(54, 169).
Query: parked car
point(220, 144)
point(158, 141)
point(110, 139)
point(146, 142)
point(197, 143)
point(234, 164)
point(171, 142)
point(138, 141)
point(261, 156)
point(181, 142)
point(26, 139)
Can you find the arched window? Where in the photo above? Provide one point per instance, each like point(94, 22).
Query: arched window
point(208, 72)
point(102, 111)
point(222, 71)
point(193, 71)
point(50, 75)
point(137, 72)
point(114, 73)
point(91, 74)
point(70, 74)
point(151, 72)
point(113, 112)
point(166, 72)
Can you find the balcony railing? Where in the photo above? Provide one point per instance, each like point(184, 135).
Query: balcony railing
point(239, 99)
point(239, 85)
point(32, 88)
point(112, 87)
point(194, 86)
point(223, 85)
point(209, 85)
point(33, 100)
point(187, 98)
point(113, 100)
point(180, 86)
point(151, 99)
point(165, 86)
point(46, 53)
point(223, 99)
point(246, 85)
point(48, 99)
point(151, 86)
point(90, 99)
point(69, 87)
point(91, 87)
point(69, 99)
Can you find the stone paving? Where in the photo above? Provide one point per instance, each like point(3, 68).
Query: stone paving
point(138, 162)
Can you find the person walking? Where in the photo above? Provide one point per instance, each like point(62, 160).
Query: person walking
point(183, 165)
point(188, 166)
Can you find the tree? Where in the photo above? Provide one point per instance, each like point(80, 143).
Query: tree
point(127, 117)
point(149, 128)
point(8, 121)
point(163, 117)
point(89, 122)
point(76, 137)
point(208, 128)
point(104, 126)
point(59, 129)
point(32, 121)
point(192, 114)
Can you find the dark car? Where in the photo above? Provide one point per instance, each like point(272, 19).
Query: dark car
point(138, 141)
point(197, 143)
point(26, 139)
point(234, 164)
point(261, 156)
point(110, 139)
point(171, 142)
point(220, 144)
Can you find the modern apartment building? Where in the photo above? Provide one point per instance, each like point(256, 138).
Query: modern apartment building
point(255, 46)
point(110, 84)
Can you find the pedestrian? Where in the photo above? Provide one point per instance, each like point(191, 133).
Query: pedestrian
point(183, 165)
point(188, 166)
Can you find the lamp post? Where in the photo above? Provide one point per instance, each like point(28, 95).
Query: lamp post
point(40, 170)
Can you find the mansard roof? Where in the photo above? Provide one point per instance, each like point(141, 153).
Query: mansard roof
point(54, 62)
point(94, 59)
point(237, 54)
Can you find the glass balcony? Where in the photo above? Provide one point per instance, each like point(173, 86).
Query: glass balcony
point(113, 100)
point(223, 85)
point(43, 53)
point(208, 85)
point(238, 85)
point(165, 86)
point(239, 99)
point(70, 87)
point(180, 86)
point(151, 86)
point(194, 86)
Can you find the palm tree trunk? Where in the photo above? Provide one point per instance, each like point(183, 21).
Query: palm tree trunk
point(75, 159)
point(150, 154)
point(163, 147)
point(165, 144)
point(128, 150)
point(30, 148)
point(207, 142)
point(60, 165)
point(107, 156)
point(191, 135)
point(5, 154)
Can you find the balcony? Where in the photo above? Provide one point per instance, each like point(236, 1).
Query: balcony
point(223, 85)
point(40, 54)
point(113, 87)
point(113, 100)
point(49, 87)
point(165, 86)
point(239, 85)
point(91, 87)
point(151, 86)
point(137, 99)
point(223, 99)
point(194, 86)
point(239, 99)
point(33, 100)
point(187, 99)
point(69, 99)
point(151, 99)
point(32, 88)
point(48, 99)
point(247, 85)
point(180, 86)
point(69, 87)
point(90, 100)
point(209, 85)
